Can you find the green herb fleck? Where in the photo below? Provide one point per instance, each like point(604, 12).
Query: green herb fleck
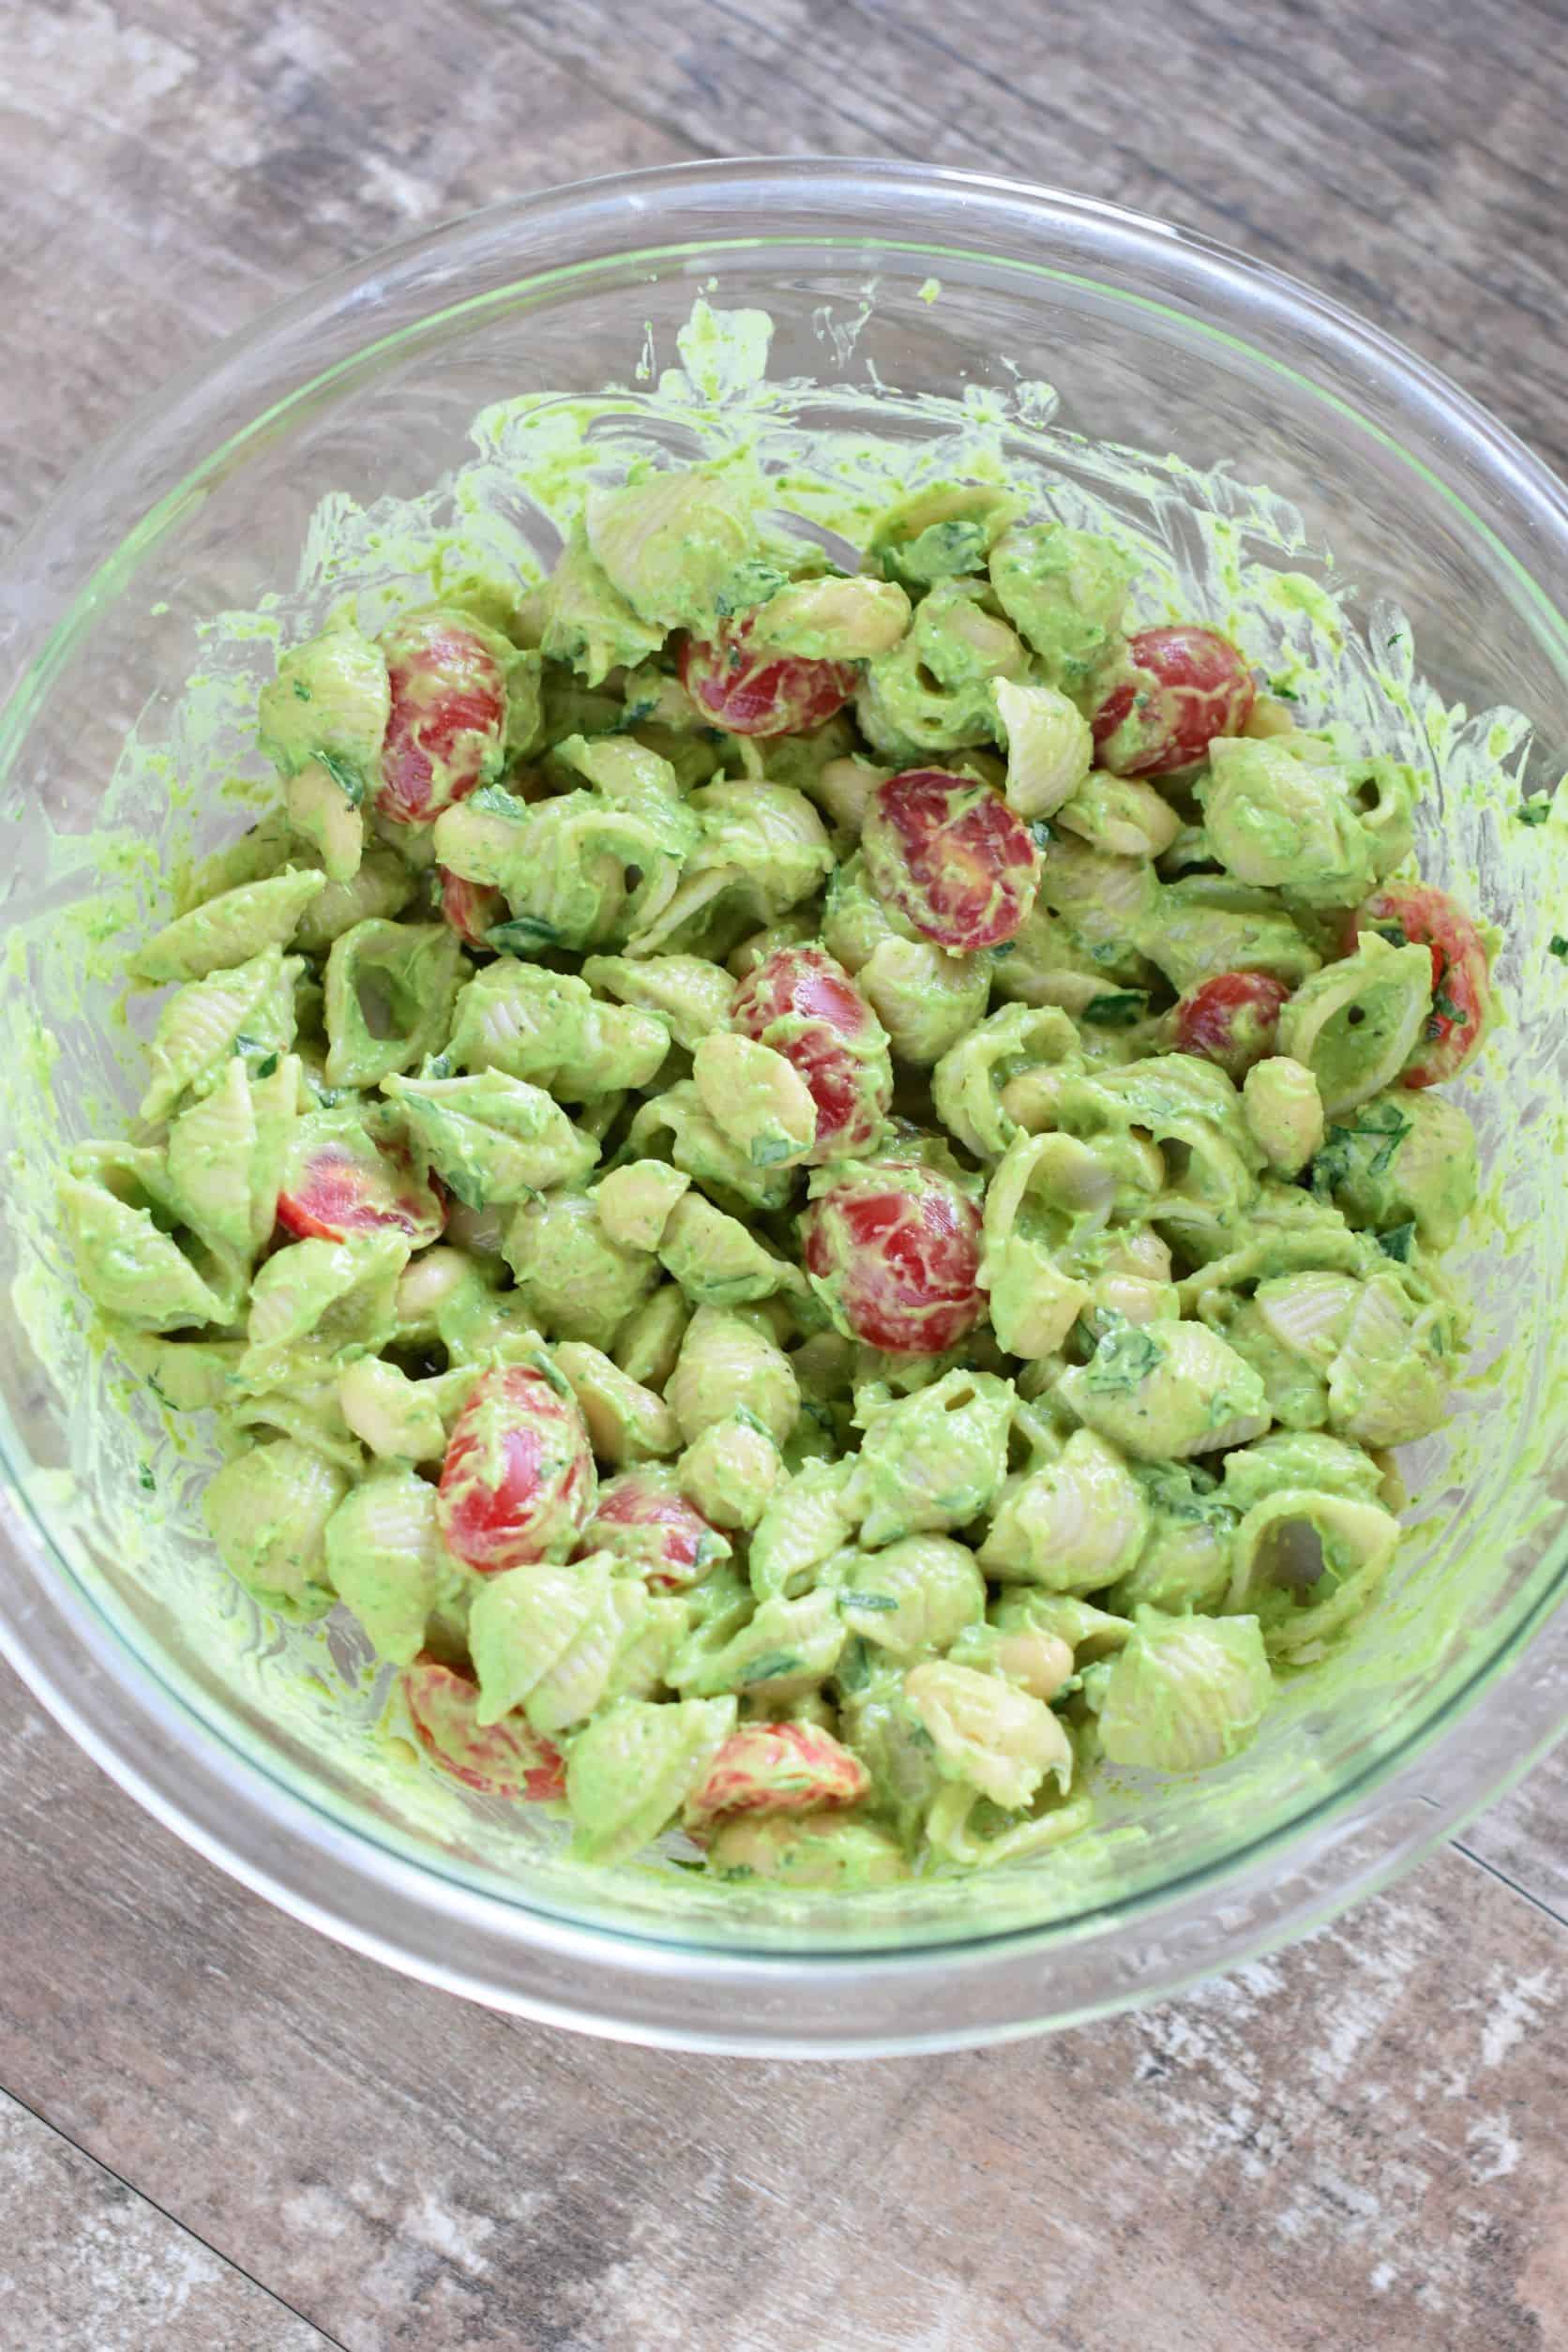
point(266, 1065)
point(344, 774)
point(1118, 1008)
point(1123, 1362)
point(1385, 1127)
point(1396, 1242)
point(146, 1479)
point(1558, 946)
point(499, 801)
point(1281, 692)
point(302, 692)
point(770, 1666)
point(525, 931)
point(866, 1601)
point(750, 584)
point(854, 1670)
point(748, 1420)
point(1006, 948)
point(1534, 812)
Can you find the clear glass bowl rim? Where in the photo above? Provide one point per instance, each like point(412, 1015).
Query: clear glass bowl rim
point(613, 1982)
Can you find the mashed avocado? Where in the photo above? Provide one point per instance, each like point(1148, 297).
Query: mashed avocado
point(838, 1362)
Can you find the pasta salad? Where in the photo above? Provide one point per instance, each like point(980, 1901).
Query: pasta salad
point(815, 1195)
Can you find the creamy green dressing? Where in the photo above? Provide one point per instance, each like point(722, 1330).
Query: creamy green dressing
point(928, 1591)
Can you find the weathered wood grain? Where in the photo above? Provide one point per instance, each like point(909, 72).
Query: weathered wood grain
point(85, 2262)
point(168, 173)
point(1406, 158)
point(1357, 2143)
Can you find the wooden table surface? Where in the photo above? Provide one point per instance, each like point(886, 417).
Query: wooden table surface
point(219, 2130)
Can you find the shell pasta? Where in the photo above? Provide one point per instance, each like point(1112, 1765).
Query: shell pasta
point(807, 1191)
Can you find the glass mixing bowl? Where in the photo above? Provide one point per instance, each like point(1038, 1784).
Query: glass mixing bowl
point(248, 1742)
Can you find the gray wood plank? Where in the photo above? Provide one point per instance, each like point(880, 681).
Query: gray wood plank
point(1356, 2142)
point(166, 174)
point(1409, 160)
point(88, 2266)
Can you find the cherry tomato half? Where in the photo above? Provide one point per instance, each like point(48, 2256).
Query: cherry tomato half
point(470, 907)
point(336, 1183)
point(644, 1519)
point(759, 693)
point(778, 1767)
point(517, 1483)
point(951, 856)
point(1189, 685)
point(449, 717)
point(893, 1251)
point(1408, 914)
point(803, 1005)
point(499, 1759)
point(1232, 1020)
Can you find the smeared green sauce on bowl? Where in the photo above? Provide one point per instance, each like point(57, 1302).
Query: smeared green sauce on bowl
point(475, 545)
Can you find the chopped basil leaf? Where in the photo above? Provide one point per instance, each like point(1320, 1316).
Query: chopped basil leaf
point(1118, 1008)
point(1558, 946)
point(345, 775)
point(1396, 1242)
point(1387, 1126)
point(499, 801)
point(526, 931)
point(854, 1670)
point(1534, 812)
point(1123, 1362)
point(770, 1667)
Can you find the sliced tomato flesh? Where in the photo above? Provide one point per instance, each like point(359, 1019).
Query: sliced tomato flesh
point(749, 691)
point(950, 856)
point(895, 1255)
point(1187, 684)
point(500, 1759)
point(338, 1183)
point(517, 1483)
point(1418, 913)
point(448, 717)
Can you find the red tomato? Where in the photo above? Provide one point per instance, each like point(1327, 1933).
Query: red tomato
point(805, 1006)
point(499, 1759)
point(644, 1519)
point(778, 1767)
point(1191, 685)
point(448, 717)
point(951, 856)
point(517, 1483)
point(470, 907)
point(338, 1183)
point(894, 1253)
point(1414, 913)
point(1232, 1020)
point(760, 693)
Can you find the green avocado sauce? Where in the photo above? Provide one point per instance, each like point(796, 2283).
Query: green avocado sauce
point(495, 1227)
